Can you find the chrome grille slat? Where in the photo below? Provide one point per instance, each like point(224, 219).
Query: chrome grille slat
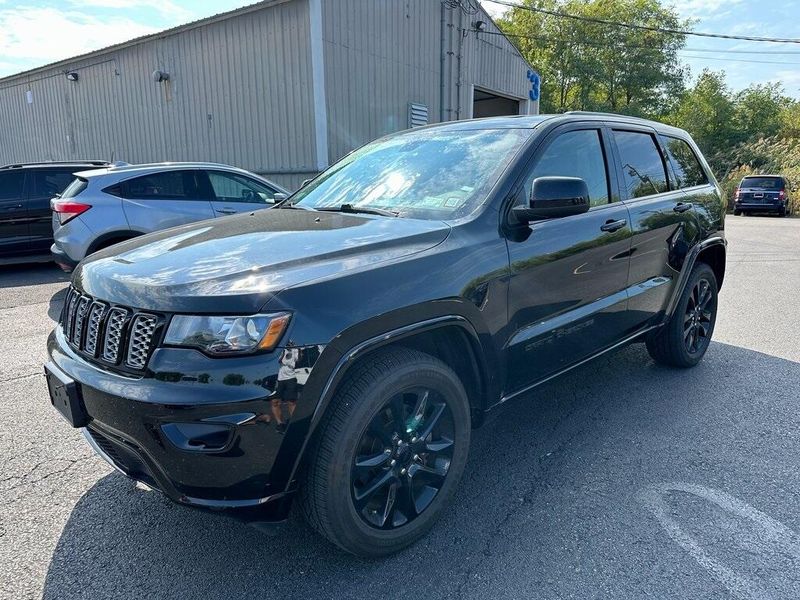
point(96, 314)
point(82, 307)
point(115, 335)
point(115, 327)
point(142, 330)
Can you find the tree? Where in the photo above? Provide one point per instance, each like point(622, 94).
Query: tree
point(587, 65)
point(759, 110)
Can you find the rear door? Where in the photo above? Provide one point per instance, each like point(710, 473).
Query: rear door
point(662, 218)
point(14, 230)
point(165, 199)
point(42, 186)
point(235, 193)
point(567, 297)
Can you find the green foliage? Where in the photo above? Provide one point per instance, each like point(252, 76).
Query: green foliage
point(592, 66)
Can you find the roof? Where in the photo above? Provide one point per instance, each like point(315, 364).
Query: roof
point(146, 38)
point(58, 163)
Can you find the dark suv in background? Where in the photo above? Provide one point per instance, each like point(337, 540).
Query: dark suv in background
point(763, 194)
point(341, 346)
point(26, 231)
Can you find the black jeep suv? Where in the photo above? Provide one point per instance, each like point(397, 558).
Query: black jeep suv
point(340, 347)
point(26, 228)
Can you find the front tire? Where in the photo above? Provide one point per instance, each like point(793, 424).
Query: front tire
point(684, 339)
point(389, 454)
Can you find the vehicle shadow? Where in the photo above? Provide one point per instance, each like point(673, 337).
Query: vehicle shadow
point(31, 274)
point(530, 465)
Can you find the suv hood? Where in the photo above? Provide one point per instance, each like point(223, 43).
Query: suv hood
point(235, 264)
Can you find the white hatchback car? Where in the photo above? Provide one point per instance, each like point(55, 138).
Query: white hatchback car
point(106, 206)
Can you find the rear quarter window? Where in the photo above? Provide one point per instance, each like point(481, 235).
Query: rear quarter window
point(685, 165)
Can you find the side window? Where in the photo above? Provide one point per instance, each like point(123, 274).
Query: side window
point(11, 185)
point(642, 167)
point(687, 168)
point(49, 182)
point(575, 154)
point(170, 185)
point(229, 187)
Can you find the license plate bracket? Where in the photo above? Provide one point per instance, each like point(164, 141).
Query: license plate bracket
point(65, 395)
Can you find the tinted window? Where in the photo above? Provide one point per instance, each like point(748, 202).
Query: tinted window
point(47, 183)
point(171, 185)
point(642, 167)
point(763, 183)
point(11, 185)
point(236, 188)
point(76, 187)
point(426, 174)
point(687, 168)
point(575, 154)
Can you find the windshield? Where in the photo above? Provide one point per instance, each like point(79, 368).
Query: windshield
point(763, 183)
point(427, 174)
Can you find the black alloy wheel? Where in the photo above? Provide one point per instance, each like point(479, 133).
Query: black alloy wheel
point(403, 458)
point(389, 453)
point(697, 319)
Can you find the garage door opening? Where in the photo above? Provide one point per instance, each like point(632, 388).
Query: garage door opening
point(486, 104)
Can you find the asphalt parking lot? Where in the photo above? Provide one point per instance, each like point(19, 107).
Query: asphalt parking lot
point(621, 479)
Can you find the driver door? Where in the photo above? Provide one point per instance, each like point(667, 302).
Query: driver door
point(567, 296)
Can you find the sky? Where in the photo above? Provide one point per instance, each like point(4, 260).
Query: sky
point(37, 32)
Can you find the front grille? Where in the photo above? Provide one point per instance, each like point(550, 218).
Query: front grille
point(144, 326)
point(113, 335)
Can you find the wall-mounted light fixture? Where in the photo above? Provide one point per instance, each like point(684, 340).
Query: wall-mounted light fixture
point(159, 76)
point(71, 75)
point(480, 25)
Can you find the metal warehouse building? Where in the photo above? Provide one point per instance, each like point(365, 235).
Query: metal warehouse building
point(282, 87)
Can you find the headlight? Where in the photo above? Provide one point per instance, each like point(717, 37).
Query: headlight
point(227, 335)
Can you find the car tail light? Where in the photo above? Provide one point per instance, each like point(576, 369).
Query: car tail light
point(781, 194)
point(66, 210)
point(737, 194)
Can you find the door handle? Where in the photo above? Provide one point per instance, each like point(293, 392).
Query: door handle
point(682, 207)
point(226, 211)
point(612, 225)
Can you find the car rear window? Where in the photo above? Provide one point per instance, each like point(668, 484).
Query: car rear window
point(76, 187)
point(763, 183)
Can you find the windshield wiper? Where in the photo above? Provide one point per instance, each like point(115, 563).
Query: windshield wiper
point(349, 208)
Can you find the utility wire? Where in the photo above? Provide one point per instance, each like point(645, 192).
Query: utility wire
point(596, 20)
point(639, 47)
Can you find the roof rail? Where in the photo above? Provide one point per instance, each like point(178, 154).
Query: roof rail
point(46, 163)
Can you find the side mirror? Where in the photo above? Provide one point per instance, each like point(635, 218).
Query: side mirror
point(279, 197)
point(554, 197)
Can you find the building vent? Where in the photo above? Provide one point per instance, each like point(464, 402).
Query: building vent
point(417, 115)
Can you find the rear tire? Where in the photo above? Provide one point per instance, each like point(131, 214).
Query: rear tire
point(684, 339)
point(737, 212)
point(389, 454)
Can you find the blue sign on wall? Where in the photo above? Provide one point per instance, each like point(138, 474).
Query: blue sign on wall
point(535, 80)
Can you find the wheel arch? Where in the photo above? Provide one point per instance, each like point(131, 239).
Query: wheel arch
point(111, 237)
point(711, 251)
point(430, 336)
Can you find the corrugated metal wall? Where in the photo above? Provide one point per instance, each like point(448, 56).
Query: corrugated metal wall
point(239, 93)
point(241, 88)
point(382, 54)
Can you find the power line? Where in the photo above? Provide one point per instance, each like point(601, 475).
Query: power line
point(596, 20)
point(638, 47)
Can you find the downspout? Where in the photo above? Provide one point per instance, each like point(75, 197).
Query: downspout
point(461, 35)
point(442, 59)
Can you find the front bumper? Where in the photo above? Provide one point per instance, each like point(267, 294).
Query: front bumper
point(198, 429)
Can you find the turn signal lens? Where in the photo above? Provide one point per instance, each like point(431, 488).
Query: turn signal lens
point(274, 332)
